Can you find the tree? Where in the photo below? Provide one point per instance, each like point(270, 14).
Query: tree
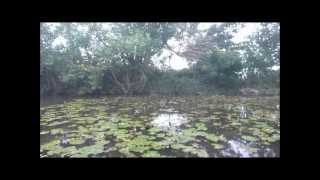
point(221, 69)
point(216, 37)
point(261, 53)
point(49, 81)
point(129, 49)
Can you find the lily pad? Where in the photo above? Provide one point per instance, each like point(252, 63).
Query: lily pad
point(44, 132)
point(218, 146)
point(76, 140)
point(151, 154)
point(58, 123)
point(90, 150)
point(249, 138)
point(201, 126)
point(56, 131)
point(212, 137)
point(161, 135)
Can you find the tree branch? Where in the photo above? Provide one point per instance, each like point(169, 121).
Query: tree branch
point(170, 48)
point(124, 90)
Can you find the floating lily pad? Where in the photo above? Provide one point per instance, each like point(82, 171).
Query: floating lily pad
point(151, 154)
point(218, 146)
point(56, 131)
point(212, 137)
point(274, 138)
point(201, 126)
point(90, 150)
point(57, 123)
point(249, 138)
point(202, 153)
point(44, 132)
point(235, 124)
point(161, 135)
point(76, 140)
point(126, 152)
point(216, 124)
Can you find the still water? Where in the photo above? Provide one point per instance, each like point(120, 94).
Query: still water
point(202, 126)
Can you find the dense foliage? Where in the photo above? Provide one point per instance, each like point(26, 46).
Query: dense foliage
point(117, 58)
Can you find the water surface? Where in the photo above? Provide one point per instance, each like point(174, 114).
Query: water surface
point(202, 126)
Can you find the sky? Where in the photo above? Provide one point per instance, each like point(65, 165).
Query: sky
point(178, 62)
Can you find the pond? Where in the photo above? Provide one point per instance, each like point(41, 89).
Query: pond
point(193, 126)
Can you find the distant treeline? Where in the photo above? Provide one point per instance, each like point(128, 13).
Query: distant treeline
point(117, 59)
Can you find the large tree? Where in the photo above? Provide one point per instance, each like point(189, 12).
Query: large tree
point(128, 48)
point(216, 37)
point(261, 54)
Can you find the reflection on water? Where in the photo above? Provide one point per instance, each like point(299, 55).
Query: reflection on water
point(239, 149)
point(169, 121)
point(243, 112)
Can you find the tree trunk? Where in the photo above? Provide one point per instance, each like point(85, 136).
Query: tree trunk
point(118, 83)
point(132, 81)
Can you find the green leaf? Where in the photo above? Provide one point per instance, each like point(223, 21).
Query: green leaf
point(151, 154)
point(249, 138)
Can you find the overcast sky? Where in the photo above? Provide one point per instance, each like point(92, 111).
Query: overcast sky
point(177, 62)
